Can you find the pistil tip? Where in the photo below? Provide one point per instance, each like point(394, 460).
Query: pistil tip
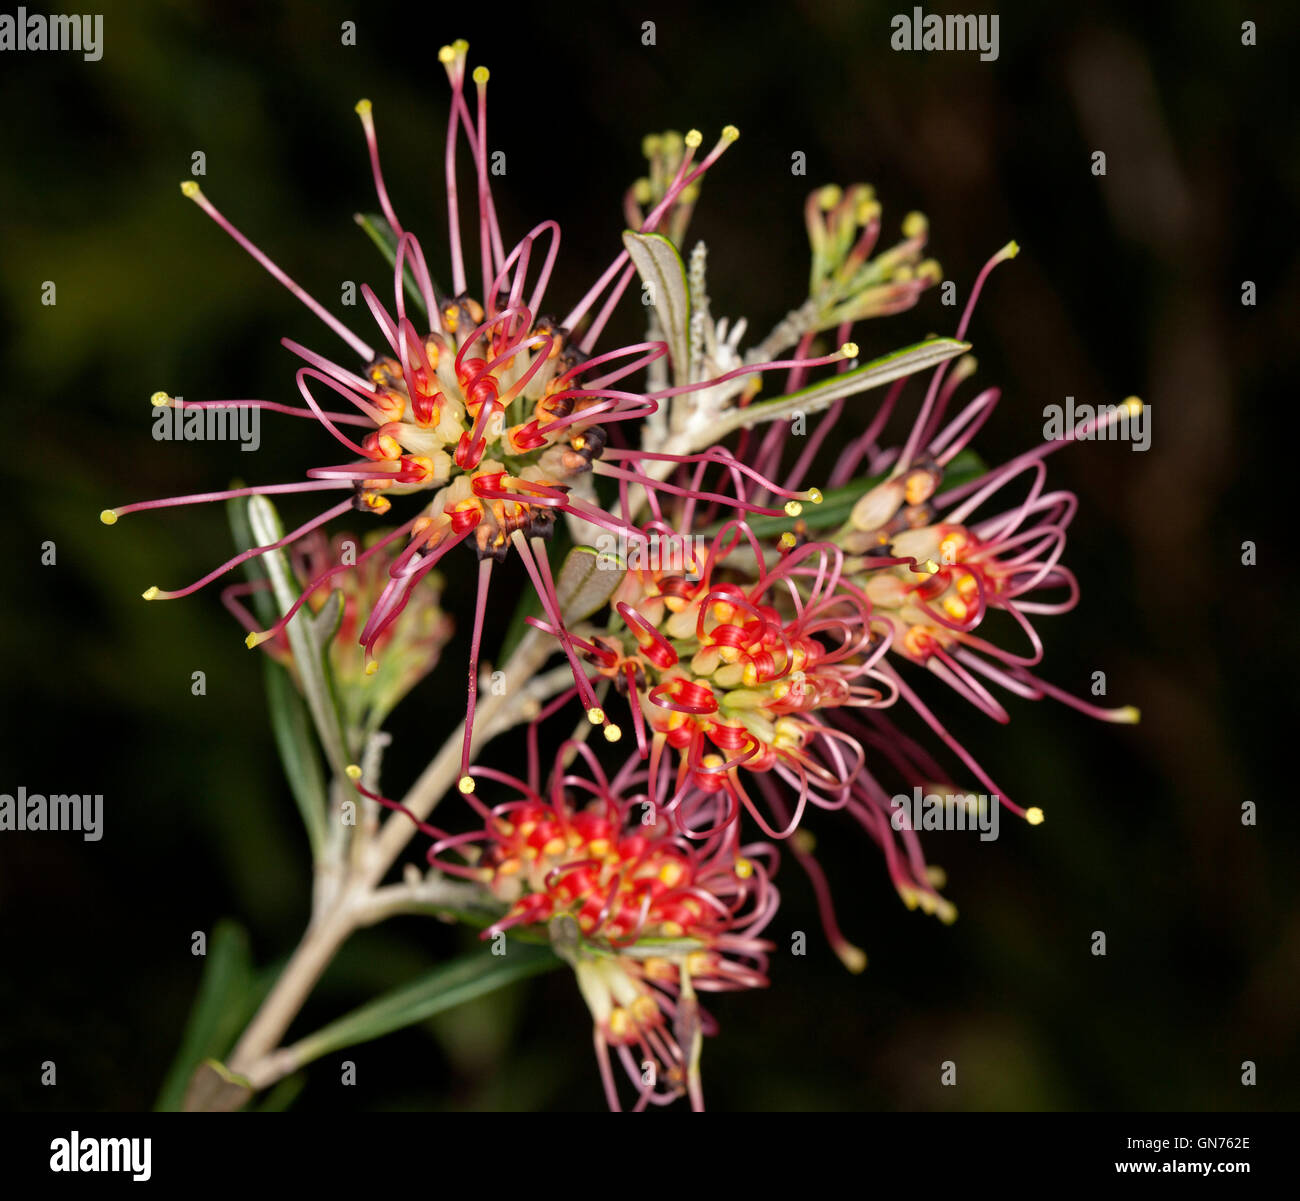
point(853, 958)
point(466, 785)
point(613, 733)
point(849, 350)
point(1034, 816)
point(353, 771)
point(481, 75)
point(150, 593)
point(159, 399)
point(693, 138)
point(595, 715)
point(372, 667)
point(363, 108)
point(793, 508)
point(191, 189)
point(730, 133)
point(929, 271)
point(829, 196)
point(108, 517)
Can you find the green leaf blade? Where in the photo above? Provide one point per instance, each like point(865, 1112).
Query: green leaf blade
point(445, 987)
point(226, 995)
point(910, 360)
point(659, 265)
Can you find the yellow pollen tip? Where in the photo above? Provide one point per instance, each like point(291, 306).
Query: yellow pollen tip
point(108, 517)
point(931, 566)
point(191, 189)
point(849, 350)
point(1011, 249)
point(1034, 816)
point(744, 869)
point(853, 958)
point(372, 667)
point(915, 225)
point(793, 508)
point(788, 541)
point(481, 75)
point(1134, 405)
point(804, 841)
point(613, 733)
point(353, 771)
point(466, 785)
point(460, 46)
point(158, 399)
point(693, 138)
point(252, 639)
point(446, 54)
point(730, 133)
point(1130, 714)
point(595, 715)
point(815, 495)
point(363, 108)
point(150, 593)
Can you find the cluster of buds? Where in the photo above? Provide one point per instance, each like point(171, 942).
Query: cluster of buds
point(847, 283)
point(664, 153)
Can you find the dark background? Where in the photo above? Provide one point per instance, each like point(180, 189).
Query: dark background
point(1126, 284)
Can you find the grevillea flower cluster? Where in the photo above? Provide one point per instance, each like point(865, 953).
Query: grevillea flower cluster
point(752, 607)
point(647, 917)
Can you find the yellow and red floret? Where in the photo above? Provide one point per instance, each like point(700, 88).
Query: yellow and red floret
point(736, 666)
point(657, 916)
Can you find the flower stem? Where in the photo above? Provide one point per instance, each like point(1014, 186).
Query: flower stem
point(255, 1059)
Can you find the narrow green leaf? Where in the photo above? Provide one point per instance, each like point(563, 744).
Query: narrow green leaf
point(262, 601)
point(659, 265)
point(325, 624)
point(296, 742)
point(443, 988)
point(291, 724)
point(225, 999)
point(382, 235)
point(308, 655)
point(837, 503)
point(816, 397)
